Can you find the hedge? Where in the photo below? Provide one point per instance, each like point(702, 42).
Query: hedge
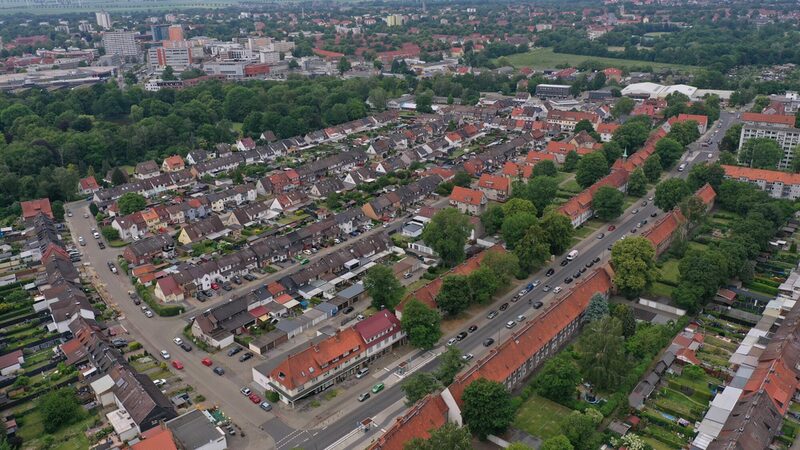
point(763, 288)
point(158, 308)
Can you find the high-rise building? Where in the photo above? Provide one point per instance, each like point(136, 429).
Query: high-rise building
point(177, 58)
point(780, 128)
point(176, 33)
point(122, 43)
point(103, 19)
point(159, 32)
point(396, 20)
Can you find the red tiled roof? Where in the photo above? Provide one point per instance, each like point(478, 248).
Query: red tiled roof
point(701, 120)
point(376, 324)
point(706, 194)
point(259, 311)
point(156, 438)
point(33, 207)
point(428, 414)
point(169, 286)
point(466, 195)
point(572, 116)
point(284, 299)
point(769, 176)
point(275, 288)
point(560, 147)
point(535, 157)
point(665, 227)
point(89, 183)
point(514, 170)
point(296, 370)
point(446, 174)
point(174, 161)
point(609, 128)
point(10, 359)
point(535, 334)
point(768, 118)
point(495, 182)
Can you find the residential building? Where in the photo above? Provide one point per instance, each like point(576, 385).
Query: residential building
point(32, 208)
point(779, 128)
point(568, 119)
point(496, 188)
point(178, 58)
point(197, 430)
point(208, 228)
point(103, 19)
point(777, 184)
point(468, 201)
point(122, 43)
point(145, 250)
point(88, 185)
point(168, 290)
point(159, 32)
point(553, 90)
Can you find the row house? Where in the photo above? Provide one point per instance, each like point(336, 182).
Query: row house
point(249, 215)
point(776, 183)
point(606, 131)
point(388, 204)
point(496, 188)
point(518, 171)
point(289, 202)
point(218, 165)
point(208, 228)
point(145, 250)
point(277, 183)
point(316, 233)
point(338, 163)
point(391, 164)
point(197, 156)
point(579, 208)
point(130, 227)
point(359, 176)
point(146, 169)
point(245, 144)
point(463, 134)
point(233, 196)
point(325, 187)
point(88, 186)
point(332, 360)
point(351, 219)
point(173, 163)
point(187, 211)
point(274, 249)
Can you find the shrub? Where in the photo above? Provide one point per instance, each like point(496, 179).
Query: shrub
point(273, 396)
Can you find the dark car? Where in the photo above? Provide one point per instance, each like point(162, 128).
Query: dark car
point(488, 342)
point(234, 351)
point(249, 277)
point(654, 214)
point(564, 262)
point(596, 260)
point(101, 245)
point(472, 329)
point(245, 357)
point(576, 275)
point(589, 264)
point(219, 371)
point(633, 230)
point(550, 272)
point(236, 279)
point(504, 307)
point(227, 287)
point(186, 347)
point(537, 305)
point(347, 310)
point(583, 269)
point(119, 343)
point(568, 280)
point(461, 336)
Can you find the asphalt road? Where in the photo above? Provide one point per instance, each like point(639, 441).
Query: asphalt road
point(267, 429)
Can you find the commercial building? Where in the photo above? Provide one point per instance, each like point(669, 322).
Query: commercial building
point(780, 128)
point(177, 58)
point(552, 90)
point(160, 32)
point(103, 19)
point(122, 43)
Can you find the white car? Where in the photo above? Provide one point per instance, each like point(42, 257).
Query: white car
point(164, 354)
point(160, 382)
point(451, 341)
point(511, 324)
point(148, 313)
point(178, 341)
point(557, 289)
point(467, 357)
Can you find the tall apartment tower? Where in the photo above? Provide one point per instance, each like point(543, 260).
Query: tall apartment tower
point(122, 43)
point(103, 19)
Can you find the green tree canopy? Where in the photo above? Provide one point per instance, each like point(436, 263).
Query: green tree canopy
point(422, 324)
point(515, 226)
point(597, 309)
point(591, 168)
point(418, 385)
point(130, 203)
point(608, 203)
point(670, 192)
point(571, 161)
point(487, 407)
point(559, 442)
point(601, 353)
point(533, 249)
point(454, 296)
point(637, 183)
point(668, 150)
point(446, 233)
point(633, 260)
point(450, 436)
point(450, 363)
point(558, 379)
point(545, 168)
point(492, 218)
point(384, 288)
point(59, 408)
point(652, 168)
point(623, 107)
point(684, 132)
point(761, 153)
point(559, 231)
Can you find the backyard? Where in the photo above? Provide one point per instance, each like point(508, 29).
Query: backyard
point(541, 417)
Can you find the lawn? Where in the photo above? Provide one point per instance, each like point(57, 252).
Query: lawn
point(545, 58)
point(571, 186)
point(661, 290)
point(584, 231)
point(669, 270)
point(69, 438)
point(562, 176)
point(540, 417)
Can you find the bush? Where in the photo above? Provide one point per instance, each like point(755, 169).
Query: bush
point(272, 396)
point(133, 346)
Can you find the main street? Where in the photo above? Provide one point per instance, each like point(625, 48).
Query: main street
point(338, 431)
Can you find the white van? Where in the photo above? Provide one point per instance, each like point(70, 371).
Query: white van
point(681, 167)
point(572, 255)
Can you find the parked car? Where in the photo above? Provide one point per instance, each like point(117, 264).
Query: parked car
point(164, 354)
point(159, 382)
point(245, 391)
point(249, 277)
point(186, 347)
point(557, 289)
point(537, 305)
point(214, 286)
point(377, 388)
point(265, 406)
point(219, 371)
point(347, 310)
point(254, 398)
point(546, 288)
point(236, 279)
point(550, 272)
point(363, 396)
point(492, 315)
point(178, 341)
point(148, 314)
point(101, 245)
point(207, 362)
point(177, 364)
point(488, 342)
point(504, 306)
point(451, 341)
point(472, 329)
point(461, 336)
point(511, 324)
point(234, 350)
point(245, 357)
point(227, 287)
point(362, 372)
point(467, 356)
point(612, 228)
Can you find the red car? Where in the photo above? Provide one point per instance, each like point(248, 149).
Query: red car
point(177, 364)
point(215, 286)
point(207, 362)
point(611, 228)
point(255, 398)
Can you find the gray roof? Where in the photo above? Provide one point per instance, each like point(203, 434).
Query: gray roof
point(193, 429)
point(352, 291)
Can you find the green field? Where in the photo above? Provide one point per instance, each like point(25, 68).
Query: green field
point(545, 58)
point(541, 417)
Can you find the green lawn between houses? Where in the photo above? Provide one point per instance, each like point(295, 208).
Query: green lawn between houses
point(72, 437)
point(540, 417)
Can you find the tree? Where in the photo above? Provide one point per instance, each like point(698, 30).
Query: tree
point(700, 174)
point(492, 218)
point(462, 178)
point(293, 64)
point(581, 429)
point(652, 168)
point(571, 161)
point(761, 153)
point(454, 296)
point(117, 177)
point(418, 385)
point(545, 168)
point(558, 379)
point(730, 142)
point(447, 233)
point(59, 408)
point(601, 353)
point(343, 66)
point(450, 436)
point(422, 325)
point(623, 107)
point(625, 315)
point(384, 288)
point(633, 260)
point(542, 191)
point(597, 309)
point(583, 125)
point(377, 98)
point(450, 363)
point(559, 442)
point(533, 249)
point(591, 168)
point(512, 446)
point(130, 203)
point(632, 134)
point(612, 151)
point(559, 231)
point(694, 372)
point(424, 101)
point(669, 193)
point(648, 340)
point(483, 283)
point(684, 132)
point(514, 228)
point(693, 209)
point(168, 74)
point(503, 265)
point(607, 203)
point(518, 206)
point(110, 233)
point(487, 407)
point(668, 151)
point(637, 183)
